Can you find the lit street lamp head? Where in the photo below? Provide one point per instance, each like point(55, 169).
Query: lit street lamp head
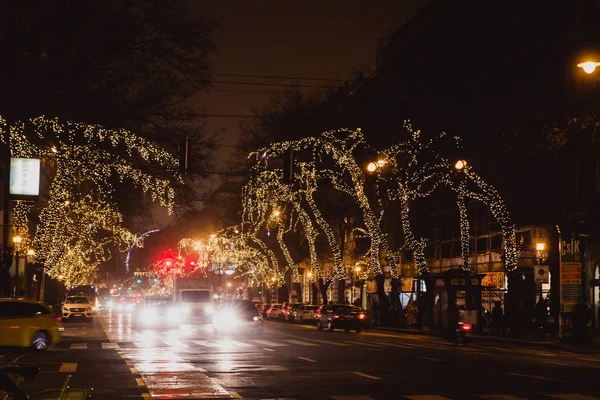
point(540, 246)
point(460, 165)
point(372, 167)
point(589, 66)
point(17, 239)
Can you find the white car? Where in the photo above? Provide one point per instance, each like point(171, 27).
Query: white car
point(77, 307)
point(306, 313)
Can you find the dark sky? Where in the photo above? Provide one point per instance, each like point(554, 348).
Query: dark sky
point(313, 39)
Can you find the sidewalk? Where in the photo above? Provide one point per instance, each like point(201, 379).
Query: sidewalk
point(590, 348)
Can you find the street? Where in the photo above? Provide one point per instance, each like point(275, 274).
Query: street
point(292, 361)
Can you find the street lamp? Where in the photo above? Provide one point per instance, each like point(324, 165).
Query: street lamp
point(460, 165)
point(372, 167)
point(589, 66)
point(17, 240)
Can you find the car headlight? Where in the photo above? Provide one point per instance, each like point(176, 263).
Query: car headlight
point(121, 307)
point(186, 309)
point(174, 315)
point(148, 315)
point(209, 309)
point(226, 319)
point(256, 318)
point(88, 309)
point(129, 307)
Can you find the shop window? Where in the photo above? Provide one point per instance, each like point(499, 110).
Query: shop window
point(496, 243)
point(482, 245)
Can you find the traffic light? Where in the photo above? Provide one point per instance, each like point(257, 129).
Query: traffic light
point(260, 292)
point(138, 281)
point(192, 264)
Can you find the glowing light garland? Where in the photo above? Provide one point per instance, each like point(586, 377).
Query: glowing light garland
point(79, 220)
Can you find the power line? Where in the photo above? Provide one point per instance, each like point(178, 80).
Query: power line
point(299, 78)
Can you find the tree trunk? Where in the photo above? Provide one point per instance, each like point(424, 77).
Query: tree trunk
point(299, 294)
point(315, 293)
point(384, 303)
point(323, 286)
point(395, 300)
point(341, 298)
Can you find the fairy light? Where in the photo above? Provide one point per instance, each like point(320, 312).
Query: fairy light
point(79, 221)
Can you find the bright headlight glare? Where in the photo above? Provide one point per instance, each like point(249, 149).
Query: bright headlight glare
point(129, 307)
point(226, 319)
point(256, 318)
point(186, 309)
point(209, 309)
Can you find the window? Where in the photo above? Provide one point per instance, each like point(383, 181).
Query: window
point(77, 300)
point(12, 309)
point(195, 296)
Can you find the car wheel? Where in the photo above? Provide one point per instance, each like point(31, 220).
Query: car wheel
point(330, 326)
point(319, 326)
point(40, 341)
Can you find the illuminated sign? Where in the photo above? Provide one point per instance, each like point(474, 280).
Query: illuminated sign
point(24, 176)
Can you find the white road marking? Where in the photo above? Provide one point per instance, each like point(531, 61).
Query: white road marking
point(68, 367)
point(366, 375)
point(110, 346)
point(235, 395)
point(363, 344)
point(79, 346)
point(140, 382)
point(330, 342)
point(572, 396)
point(269, 343)
point(301, 343)
point(268, 349)
point(431, 359)
point(308, 359)
point(557, 363)
point(205, 343)
point(218, 381)
point(542, 378)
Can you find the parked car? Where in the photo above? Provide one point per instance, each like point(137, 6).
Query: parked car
point(28, 323)
point(77, 307)
point(273, 311)
point(305, 313)
point(287, 312)
point(342, 316)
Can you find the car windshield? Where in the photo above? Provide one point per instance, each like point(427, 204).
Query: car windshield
point(77, 300)
point(195, 296)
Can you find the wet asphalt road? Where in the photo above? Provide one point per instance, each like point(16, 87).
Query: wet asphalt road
point(119, 359)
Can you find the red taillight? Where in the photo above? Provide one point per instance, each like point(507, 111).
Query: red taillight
point(336, 316)
point(361, 316)
point(466, 327)
point(57, 319)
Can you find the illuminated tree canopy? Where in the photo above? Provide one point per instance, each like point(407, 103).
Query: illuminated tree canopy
point(79, 219)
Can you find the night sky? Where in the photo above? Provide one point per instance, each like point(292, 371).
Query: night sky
point(310, 39)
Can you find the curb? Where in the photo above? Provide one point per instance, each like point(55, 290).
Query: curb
point(550, 344)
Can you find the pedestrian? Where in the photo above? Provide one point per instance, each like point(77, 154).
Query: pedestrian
point(497, 318)
point(541, 318)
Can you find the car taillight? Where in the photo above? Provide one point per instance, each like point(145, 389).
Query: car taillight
point(57, 319)
point(467, 327)
point(336, 316)
point(361, 316)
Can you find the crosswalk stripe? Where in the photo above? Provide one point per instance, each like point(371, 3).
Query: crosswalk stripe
point(205, 343)
point(110, 346)
point(367, 375)
point(78, 346)
point(68, 367)
point(572, 396)
point(301, 343)
point(269, 343)
point(364, 344)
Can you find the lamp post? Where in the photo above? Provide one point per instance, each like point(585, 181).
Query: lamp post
point(17, 240)
point(589, 67)
point(540, 247)
point(309, 287)
point(274, 282)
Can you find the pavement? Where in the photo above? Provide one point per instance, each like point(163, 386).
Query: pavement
point(120, 360)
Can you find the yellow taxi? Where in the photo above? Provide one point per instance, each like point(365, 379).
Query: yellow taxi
point(26, 323)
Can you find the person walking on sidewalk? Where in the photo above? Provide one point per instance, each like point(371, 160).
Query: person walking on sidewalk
point(541, 317)
point(497, 318)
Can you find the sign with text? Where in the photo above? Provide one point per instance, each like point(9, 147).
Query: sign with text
point(493, 280)
point(570, 279)
point(571, 250)
point(24, 176)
